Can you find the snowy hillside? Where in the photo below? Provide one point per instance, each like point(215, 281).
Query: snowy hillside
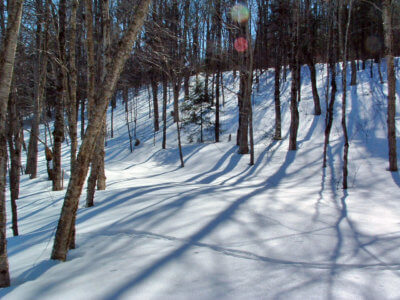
point(219, 228)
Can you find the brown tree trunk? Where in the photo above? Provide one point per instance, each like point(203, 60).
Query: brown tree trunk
point(164, 114)
point(154, 87)
point(294, 112)
point(177, 88)
point(353, 71)
point(74, 190)
point(391, 78)
point(329, 111)
point(246, 80)
point(317, 104)
point(7, 58)
point(40, 84)
point(72, 106)
point(277, 98)
point(58, 132)
point(15, 149)
point(343, 38)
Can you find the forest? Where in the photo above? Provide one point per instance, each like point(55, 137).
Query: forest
point(177, 76)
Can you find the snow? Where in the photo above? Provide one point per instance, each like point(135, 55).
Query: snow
point(219, 228)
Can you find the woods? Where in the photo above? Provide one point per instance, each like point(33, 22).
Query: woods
point(73, 58)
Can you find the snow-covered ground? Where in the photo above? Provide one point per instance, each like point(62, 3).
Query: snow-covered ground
point(219, 228)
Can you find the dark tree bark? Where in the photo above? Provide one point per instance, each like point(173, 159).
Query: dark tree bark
point(294, 65)
point(164, 113)
point(72, 105)
point(277, 98)
point(70, 206)
point(391, 78)
point(343, 38)
point(329, 112)
point(58, 132)
point(7, 58)
point(40, 83)
point(154, 87)
point(15, 149)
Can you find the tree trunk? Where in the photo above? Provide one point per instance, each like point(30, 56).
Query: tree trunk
point(7, 58)
point(74, 190)
point(353, 72)
point(391, 78)
point(40, 84)
point(343, 38)
point(331, 104)
point(294, 112)
point(277, 98)
point(164, 116)
point(15, 149)
point(317, 104)
point(154, 87)
point(58, 132)
point(72, 107)
point(177, 88)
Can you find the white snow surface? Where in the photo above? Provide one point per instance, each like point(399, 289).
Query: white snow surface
point(219, 228)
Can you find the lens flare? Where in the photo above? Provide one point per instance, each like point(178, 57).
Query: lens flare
point(240, 13)
point(241, 44)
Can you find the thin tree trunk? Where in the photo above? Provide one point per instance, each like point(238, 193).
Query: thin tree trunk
point(41, 70)
point(15, 149)
point(7, 58)
point(154, 87)
point(58, 132)
point(177, 87)
point(317, 104)
point(74, 190)
point(330, 108)
point(164, 114)
point(391, 78)
point(217, 104)
point(294, 124)
point(344, 84)
point(353, 71)
point(277, 98)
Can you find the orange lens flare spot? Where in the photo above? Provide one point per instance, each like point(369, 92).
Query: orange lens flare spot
point(241, 44)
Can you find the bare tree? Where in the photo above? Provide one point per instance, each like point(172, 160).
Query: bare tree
point(40, 67)
point(74, 190)
point(391, 78)
point(294, 67)
point(7, 58)
point(72, 80)
point(343, 38)
point(15, 148)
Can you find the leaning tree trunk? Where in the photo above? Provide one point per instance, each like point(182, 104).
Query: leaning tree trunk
point(391, 77)
point(7, 58)
point(74, 190)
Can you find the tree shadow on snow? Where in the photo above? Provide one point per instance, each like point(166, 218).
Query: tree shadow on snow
point(210, 227)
